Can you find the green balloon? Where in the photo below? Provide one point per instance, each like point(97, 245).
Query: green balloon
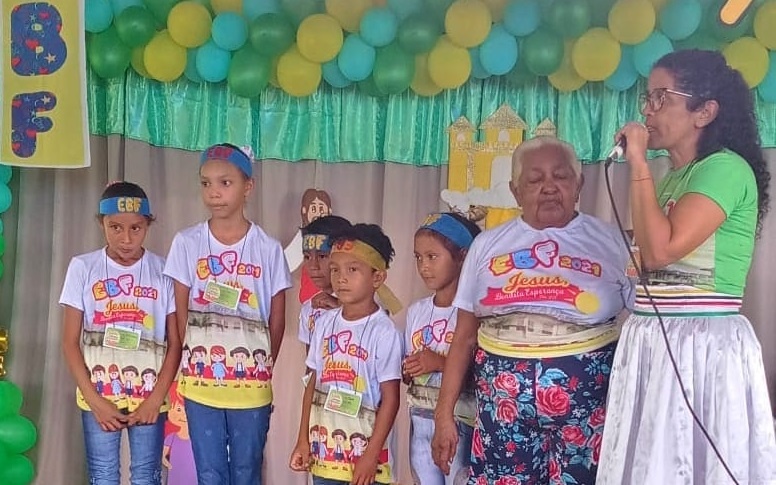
point(436, 10)
point(271, 33)
point(393, 70)
point(368, 87)
point(520, 76)
point(2, 251)
point(249, 72)
point(5, 198)
point(599, 12)
point(699, 40)
point(724, 32)
point(160, 9)
point(418, 33)
point(17, 434)
point(298, 10)
point(108, 56)
point(2, 269)
point(542, 52)
point(569, 18)
point(135, 26)
point(18, 470)
point(5, 174)
point(10, 395)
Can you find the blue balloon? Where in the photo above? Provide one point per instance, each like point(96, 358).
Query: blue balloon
point(356, 59)
point(767, 88)
point(379, 26)
point(98, 15)
point(229, 31)
point(680, 18)
point(647, 53)
point(121, 5)
point(213, 62)
point(333, 75)
point(498, 54)
point(191, 67)
point(404, 8)
point(5, 174)
point(522, 17)
point(626, 74)
point(252, 9)
point(478, 72)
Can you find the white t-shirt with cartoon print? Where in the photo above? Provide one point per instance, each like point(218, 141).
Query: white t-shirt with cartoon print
point(307, 317)
point(430, 327)
point(230, 363)
point(351, 356)
point(575, 274)
point(136, 299)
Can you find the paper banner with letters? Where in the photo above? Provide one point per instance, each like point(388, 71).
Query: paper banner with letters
point(43, 73)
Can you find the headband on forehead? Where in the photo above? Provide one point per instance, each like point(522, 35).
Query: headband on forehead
point(316, 242)
point(235, 156)
point(370, 256)
point(449, 227)
point(125, 205)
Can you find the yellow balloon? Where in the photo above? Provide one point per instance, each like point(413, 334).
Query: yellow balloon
point(164, 60)
point(496, 9)
point(765, 24)
point(422, 83)
point(227, 6)
point(449, 65)
point(596, 54)
point(319, 37)
point(189, 24)
point(467, 22)
point(348, 12)
point(631, 21)
point(137, 61)
point(749, 57)
point(296, 75)
point(565, 79)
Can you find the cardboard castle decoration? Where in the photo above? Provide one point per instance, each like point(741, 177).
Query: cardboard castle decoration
point(479, 171)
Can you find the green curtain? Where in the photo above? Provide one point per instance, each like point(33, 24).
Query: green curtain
point(335, 125)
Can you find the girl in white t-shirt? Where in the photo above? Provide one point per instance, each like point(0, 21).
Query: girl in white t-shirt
point(352, 395)
point(119, 313)
point(230, 280)
point(441, 244)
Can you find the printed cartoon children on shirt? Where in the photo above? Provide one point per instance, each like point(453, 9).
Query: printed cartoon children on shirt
point(130, 374)
point(261, 371)
point(358, 444)
point(240, 370)
point(217, 366)
point(98, 374)
point(148, 376)
point(338, 451)
point(186, 360)
point(528, 288)
point(199, 355)
point(226, 268)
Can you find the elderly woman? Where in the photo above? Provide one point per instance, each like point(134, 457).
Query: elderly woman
point(536, 306)
point(696, 233)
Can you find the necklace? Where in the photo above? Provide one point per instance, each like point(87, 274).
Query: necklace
point(210, 251)
point(360, 340)
point(431, 319)
point(139, 281)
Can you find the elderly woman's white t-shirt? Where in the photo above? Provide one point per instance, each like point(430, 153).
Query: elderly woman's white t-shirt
point(575, 274)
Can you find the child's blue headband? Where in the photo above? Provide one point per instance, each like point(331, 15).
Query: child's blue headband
point(316, 242)
point(449, 227)
point(234, 156)
point(125, 205)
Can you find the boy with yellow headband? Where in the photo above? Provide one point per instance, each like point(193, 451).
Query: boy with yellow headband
point(355, 362)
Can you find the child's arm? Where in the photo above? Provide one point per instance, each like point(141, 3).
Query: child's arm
point(366, 467)
point(456, 366)
point(277, 322)
point(181, 308)
point(300, 457)
point(148, 411)
point(105, 412)
point(424, 362)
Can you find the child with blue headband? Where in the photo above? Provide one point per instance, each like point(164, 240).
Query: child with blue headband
point(230, 281)
point(119, 313)
point(441, 244)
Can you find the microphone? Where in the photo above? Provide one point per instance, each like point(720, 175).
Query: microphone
point(617, 151)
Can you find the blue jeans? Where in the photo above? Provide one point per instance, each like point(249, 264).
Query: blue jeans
point(103, 456)
point(423, 468)
point(228, 443)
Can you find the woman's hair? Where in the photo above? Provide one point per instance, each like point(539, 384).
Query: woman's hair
point(327, 226)
point(370, 234)
point(706, 75)
point(124, 189)
point(456, 252)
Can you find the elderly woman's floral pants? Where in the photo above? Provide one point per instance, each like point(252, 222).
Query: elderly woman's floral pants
point(539, 421)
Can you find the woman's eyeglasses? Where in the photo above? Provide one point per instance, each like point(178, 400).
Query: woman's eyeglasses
point(654, 99)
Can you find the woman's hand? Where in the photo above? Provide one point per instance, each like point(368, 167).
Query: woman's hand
point(365, 470)
point(445, 442)
point(300, 457)
point(637, 138)
point(107, 415)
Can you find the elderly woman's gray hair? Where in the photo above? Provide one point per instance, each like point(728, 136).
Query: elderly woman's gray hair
point(540, 142)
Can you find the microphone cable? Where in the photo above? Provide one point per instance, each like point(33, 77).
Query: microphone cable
point(643, 282)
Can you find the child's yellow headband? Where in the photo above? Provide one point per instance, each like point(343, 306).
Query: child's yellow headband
point(370, 256)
